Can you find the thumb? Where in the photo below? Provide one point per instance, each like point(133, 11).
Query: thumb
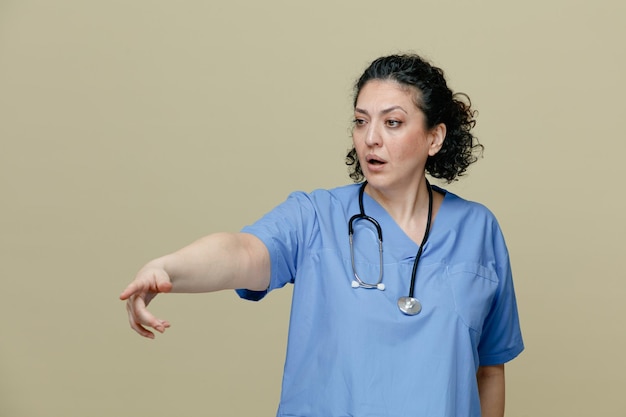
point(164, 286)
point(162, 282)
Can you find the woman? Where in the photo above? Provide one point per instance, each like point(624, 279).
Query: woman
point(421, 324)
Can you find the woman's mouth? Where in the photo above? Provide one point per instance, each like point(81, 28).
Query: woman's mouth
point(374, 160)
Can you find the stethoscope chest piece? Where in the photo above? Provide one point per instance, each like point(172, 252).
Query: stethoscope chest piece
point(409, 305)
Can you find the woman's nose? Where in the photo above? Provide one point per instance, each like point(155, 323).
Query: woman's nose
point(372, 136)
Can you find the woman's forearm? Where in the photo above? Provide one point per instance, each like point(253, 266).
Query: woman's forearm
point(217, 262)
point(491, 390)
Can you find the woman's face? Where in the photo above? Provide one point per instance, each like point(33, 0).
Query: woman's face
point(390, 135)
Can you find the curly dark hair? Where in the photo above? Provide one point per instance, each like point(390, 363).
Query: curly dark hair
point(439, 105)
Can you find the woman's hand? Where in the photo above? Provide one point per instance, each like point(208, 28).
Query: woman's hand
point(150, 281)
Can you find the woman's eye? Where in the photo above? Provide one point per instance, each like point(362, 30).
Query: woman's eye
point(393, 123)
point(359, 122)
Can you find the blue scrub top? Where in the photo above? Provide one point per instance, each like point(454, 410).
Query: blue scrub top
point(351, 352)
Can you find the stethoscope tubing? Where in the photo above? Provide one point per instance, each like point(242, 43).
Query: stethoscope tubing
point(362, 215)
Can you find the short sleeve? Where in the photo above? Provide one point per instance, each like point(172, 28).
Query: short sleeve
point(501, 338)
point(285, 231)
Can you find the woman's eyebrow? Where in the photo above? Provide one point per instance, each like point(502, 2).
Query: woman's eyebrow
point(384, 111)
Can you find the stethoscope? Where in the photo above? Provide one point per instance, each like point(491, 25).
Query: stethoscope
point(408, 305)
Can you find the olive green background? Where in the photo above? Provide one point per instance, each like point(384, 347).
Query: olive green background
point(130, 128)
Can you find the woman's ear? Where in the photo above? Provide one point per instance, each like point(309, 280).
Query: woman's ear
point(437, 136)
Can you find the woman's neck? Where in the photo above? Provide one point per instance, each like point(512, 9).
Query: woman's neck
point(408, 206)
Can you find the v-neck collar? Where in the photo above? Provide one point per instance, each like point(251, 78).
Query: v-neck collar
point(395, 240)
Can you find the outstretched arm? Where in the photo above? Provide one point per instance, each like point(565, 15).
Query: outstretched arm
point(216, 262)
point(491, 390)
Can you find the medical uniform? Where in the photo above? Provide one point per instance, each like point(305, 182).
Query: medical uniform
point(351, 352)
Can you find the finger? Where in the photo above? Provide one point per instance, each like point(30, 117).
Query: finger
point(139, 316)
point(156, 281)
point(136, 326)
point(135, 287)
point(145, 332)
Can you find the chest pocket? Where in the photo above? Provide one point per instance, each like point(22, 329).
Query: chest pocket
point(473, 288)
